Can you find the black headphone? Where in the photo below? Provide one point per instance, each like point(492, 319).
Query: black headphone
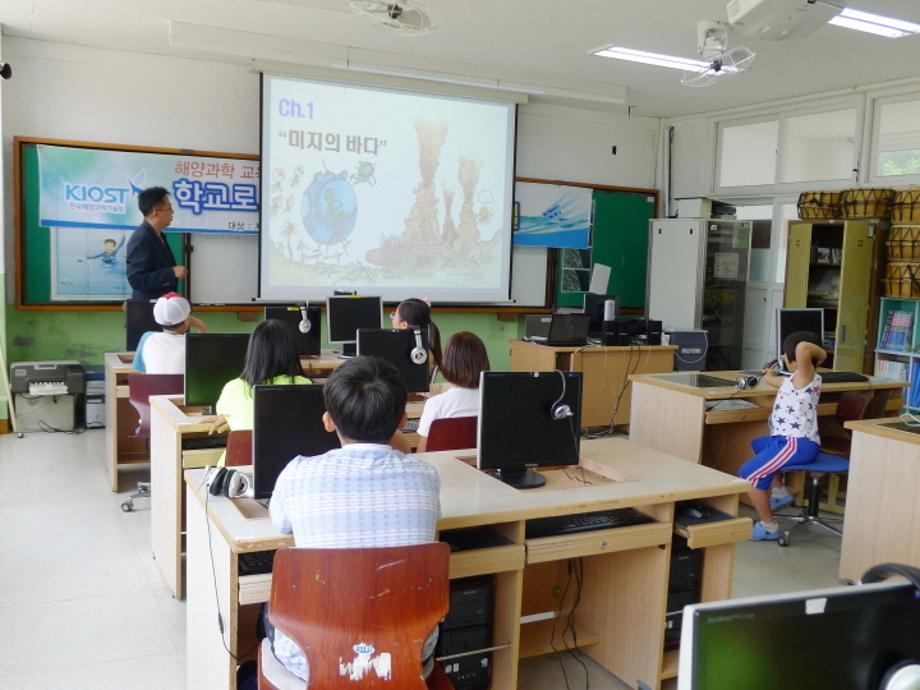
point(905, 675)
point(557, 410)
point(304, 326)
point(418, 355)
point(230, 483)
point(746, 382)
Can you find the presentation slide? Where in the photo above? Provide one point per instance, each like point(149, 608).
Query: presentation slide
point(389, 193)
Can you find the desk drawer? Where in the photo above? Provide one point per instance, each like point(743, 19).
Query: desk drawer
point(715, 533)
point(495, 559)
point(255, 589)
point(597, 542)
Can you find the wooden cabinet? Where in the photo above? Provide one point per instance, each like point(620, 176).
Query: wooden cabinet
point(835, 265)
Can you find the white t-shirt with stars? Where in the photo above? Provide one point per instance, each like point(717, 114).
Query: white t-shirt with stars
point(795, 411)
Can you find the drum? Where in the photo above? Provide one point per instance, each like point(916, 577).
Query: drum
point(870, 202)
point(902, 279)
point(819, 205)
point(903, 243)
point(905, 208)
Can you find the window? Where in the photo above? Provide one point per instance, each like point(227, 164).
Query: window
point(819, 146)
point(761, 217)
point(747, 154)
point(898, 142)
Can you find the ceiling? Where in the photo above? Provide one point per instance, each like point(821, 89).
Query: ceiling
point(527, 41)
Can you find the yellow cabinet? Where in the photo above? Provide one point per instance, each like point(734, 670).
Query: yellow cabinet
point(834, 265)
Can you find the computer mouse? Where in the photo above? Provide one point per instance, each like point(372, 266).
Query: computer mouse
point(694, 511)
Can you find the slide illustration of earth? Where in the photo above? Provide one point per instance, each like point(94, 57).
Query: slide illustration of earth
point(329, 208)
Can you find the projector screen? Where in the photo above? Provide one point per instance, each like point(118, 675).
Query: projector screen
point(385, 192)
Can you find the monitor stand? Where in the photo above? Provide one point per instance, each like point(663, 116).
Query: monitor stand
point(348, 350)
point(520, 479)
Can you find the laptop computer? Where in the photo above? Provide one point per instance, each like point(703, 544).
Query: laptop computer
point(565, 329)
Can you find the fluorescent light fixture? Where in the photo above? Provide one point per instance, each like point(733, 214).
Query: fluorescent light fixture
point(874, 23)
point(657, 59)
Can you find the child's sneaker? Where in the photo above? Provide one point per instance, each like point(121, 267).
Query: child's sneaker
point(779, 502)
point(761, 533)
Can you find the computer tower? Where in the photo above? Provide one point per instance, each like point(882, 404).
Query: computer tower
point(685, 576)
point(473, 672)
point(466, 629)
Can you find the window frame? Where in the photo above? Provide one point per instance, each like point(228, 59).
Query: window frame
point(873, 178)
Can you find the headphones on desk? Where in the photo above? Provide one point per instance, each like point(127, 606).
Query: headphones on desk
point(418, 355)
point(230, 483)
point(557, 410)
point(304, 326)
point(747, 382)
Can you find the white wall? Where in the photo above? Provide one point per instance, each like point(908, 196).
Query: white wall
point(70, 92)
point(691, 159)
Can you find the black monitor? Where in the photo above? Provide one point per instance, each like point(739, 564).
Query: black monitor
point(308, 344)
point(212, 359)
point(594, 307)
point(346, 314)
point(523, 423)
point(845, 638)
point(138, 320)
point(288, 422)
point(791, 320)
point(396, 346)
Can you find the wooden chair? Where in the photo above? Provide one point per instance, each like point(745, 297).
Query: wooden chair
point(239, 448)
point(140, 388)
point(452, 434)
point(331, 601)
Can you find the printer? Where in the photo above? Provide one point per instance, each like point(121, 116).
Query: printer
point(47, 395)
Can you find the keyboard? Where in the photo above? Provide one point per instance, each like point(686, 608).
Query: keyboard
point(843, 377)
point(256, 562)
point(204, 442)
point(584, 522)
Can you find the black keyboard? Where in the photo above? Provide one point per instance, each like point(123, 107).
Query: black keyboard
point(843, 377)
point(584, 522)
point(256, 562)
point(200, 442)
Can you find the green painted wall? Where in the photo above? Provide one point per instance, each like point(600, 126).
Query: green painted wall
point(85, 336)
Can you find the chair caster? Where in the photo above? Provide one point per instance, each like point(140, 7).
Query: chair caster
point(784, 540)
point(127, 506)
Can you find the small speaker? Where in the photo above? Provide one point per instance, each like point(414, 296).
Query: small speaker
point(610, 309)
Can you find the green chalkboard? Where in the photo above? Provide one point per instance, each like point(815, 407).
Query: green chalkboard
point(619, 239)
point(35, 271)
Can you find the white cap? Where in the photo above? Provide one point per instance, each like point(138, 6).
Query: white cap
point(171, 310)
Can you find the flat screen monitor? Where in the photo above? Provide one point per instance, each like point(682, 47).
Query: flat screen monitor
point(138, 320)
point(396, 347)
point(791, 320)
point(212, 359)
point(528, 419)
point(288, 422)
point(347, 313)
point(846, 638)
point(308, 344)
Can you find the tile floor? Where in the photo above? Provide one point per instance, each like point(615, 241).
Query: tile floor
point(83, 606)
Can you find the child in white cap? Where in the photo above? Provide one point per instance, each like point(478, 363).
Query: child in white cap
point(164, 352)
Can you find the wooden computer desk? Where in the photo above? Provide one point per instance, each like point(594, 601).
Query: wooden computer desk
point(882, 521)
point(620, 619)
point(672, 416)
point(121, 448)
point(606, 373)
point(171, 422)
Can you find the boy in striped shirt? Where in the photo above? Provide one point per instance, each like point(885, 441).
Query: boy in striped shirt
point(364, 494)
point(793, 428)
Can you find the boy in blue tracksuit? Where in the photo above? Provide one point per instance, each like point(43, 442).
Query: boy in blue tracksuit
point(793, 427)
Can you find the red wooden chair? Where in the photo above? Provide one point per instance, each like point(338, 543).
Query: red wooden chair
point(140, 388)
point(452, 434)
point(330, 602)
point(239, 448)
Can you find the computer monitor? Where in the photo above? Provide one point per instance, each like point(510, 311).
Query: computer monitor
point(212, 359)
point(308, 344)
point(346, 314)
point(846, 638)
point(396, 346)
point(528, 419)
point(138, 320)
point(288, 422)
point(791, 320)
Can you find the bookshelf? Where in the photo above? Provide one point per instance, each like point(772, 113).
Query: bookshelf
point(897, 349)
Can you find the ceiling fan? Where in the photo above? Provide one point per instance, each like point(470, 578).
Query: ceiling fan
point(712, 45)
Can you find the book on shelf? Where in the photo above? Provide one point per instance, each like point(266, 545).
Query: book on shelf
point(898, 331)
point(913, 393)
point(892, 369)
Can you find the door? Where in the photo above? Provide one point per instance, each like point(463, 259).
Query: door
point(727, 263)
point(853, 311)
point(797, 264)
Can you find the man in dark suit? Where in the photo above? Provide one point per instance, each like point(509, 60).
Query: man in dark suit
point(152, 267)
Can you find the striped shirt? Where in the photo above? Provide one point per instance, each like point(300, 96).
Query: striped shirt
point(363, 495)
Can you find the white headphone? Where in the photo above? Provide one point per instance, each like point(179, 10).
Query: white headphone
point(304, 326)
point(418, 355)
point(562, 411)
